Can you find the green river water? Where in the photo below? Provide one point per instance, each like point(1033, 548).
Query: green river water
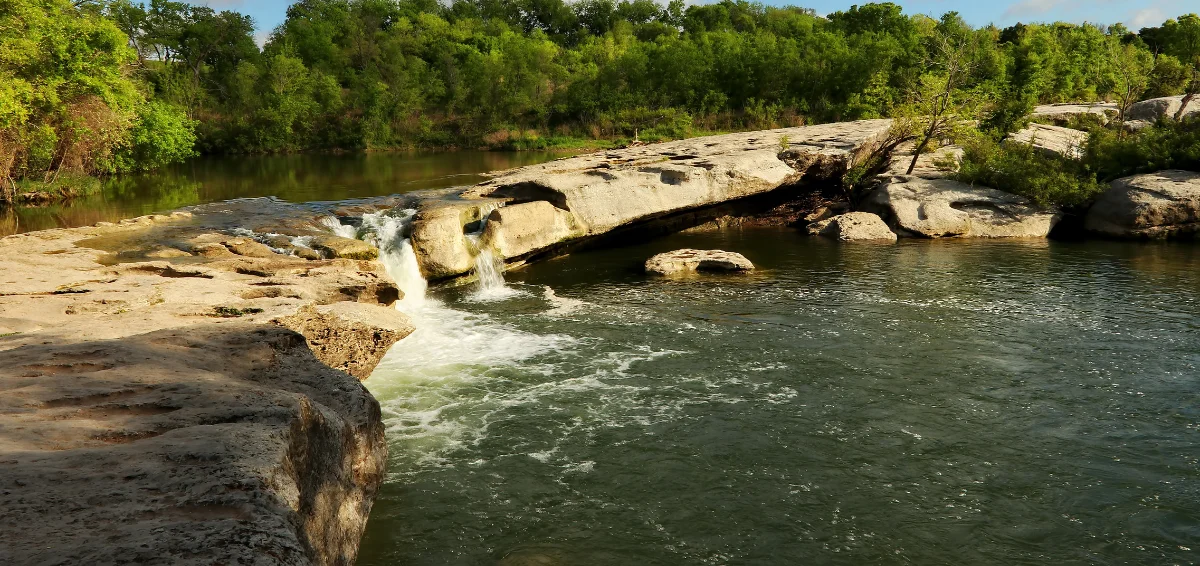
point(968, 402)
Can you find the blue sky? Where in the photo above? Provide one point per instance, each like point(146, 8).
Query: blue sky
point(1134, 13)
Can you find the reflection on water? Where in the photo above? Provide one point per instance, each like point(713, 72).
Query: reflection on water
point(294, 178)
point(922, 403)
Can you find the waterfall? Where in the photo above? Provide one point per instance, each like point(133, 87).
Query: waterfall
point(489, 268)
point(389, 231)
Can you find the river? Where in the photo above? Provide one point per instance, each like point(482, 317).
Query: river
point(957, 402)
point(960, 402)
point(295, 178)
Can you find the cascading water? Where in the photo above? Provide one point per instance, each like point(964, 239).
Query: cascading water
point(488, 268)
point(388, 231)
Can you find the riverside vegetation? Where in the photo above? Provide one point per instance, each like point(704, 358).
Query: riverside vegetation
point(96, 87)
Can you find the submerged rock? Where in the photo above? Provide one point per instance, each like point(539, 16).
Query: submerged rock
point(571, 200)
point(1054, 140)
point(689, 260)
point(942, 208)
point(1156, 205)
point(854, 226)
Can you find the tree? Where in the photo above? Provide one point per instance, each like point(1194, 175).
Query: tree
point(1129, 74)
point(940, 104)
point(1182, 38)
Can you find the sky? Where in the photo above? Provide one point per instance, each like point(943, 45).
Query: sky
point(1134, 13)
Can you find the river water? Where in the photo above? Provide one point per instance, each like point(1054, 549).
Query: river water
point(970, 402)
point(294, 178)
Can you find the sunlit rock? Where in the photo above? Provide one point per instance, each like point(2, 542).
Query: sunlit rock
point(942, 208)
point(1156, 205)
point(689, 260)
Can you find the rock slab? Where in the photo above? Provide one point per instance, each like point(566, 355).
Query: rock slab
point(1053, 140)
point(689, 260)
point(942, 208)
point(853, 227)
point(155, 412)
point(1156, 205)
point(570, 200)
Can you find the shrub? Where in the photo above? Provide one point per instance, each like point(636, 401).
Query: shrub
point(1024, 170)
point(1165, 145)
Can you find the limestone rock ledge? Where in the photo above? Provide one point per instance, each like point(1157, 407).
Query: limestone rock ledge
point(533, 211)
point(154, 412)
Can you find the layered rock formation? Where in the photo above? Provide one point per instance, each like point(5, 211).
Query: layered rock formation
point(567, 201)
point(180, 394)
point(942, 208)
point(689, 260)
point(854, 226)
point(1156, 205)
point(1053, 140)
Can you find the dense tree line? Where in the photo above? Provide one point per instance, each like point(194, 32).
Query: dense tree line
point(110, 85)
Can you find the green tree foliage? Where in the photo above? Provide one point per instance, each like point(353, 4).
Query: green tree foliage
point(68, 100)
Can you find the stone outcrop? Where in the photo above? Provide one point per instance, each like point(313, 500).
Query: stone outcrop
point(689, 260)
point(1156, 205)
point(1062, 113)
point(339, 247)
point(1155, 108)
point(155, 412)
point(852, 227)
point(571, 200)
point(942, 208)
point(937, 164)
point(1052, 140)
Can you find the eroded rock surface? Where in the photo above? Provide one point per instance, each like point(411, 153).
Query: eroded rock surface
point(154, 412)
point(1054, 140)
point(573, 199)
point(1156, 205)
point(1167, 106)
point(942, 208)
point(689, 260)
point(854, 226)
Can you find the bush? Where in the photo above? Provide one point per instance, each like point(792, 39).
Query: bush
point(1023, 170)
point(162, 135)
point(1165, 145)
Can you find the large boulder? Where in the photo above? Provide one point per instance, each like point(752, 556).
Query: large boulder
point(591, 195)
point(1156, 205)
point(1155, 108)
point(1052, 140)
point(854, 226)
point(689, 260)
point(942, 208)
point(517, 230)
point(439, 237)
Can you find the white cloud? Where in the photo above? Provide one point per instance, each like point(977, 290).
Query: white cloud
point(1146, 18)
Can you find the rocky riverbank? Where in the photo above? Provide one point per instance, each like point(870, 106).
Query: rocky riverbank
point(178, 394)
